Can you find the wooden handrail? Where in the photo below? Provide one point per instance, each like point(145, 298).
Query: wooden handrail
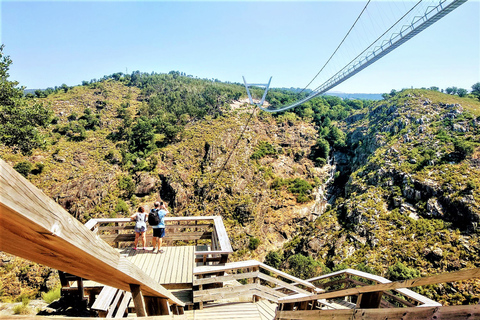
point(441, 278)
point(35, 227)
point(378, 279)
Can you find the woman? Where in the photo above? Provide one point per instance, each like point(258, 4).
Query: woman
point(140, 217)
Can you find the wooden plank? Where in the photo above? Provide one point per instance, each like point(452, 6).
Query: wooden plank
point(191, 265)
point(177, 266)
point(266, 309)
point(441, 278)
point(167, 256)
point(283, 284)
point(410, 313)
point(222, 235)
point(104, 299)
point(123, 304)
point(229, 277)
point(35, 227)
point(113, 305)
point(220, 291)
point(227, 267)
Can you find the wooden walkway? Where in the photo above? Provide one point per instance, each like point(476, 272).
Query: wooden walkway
point(173, 267)
point(262, 310)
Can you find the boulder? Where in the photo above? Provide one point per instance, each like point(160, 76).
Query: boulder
point(145, 184)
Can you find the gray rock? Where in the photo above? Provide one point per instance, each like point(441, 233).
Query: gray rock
point(434, 208)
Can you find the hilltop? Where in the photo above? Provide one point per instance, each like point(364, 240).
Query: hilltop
point(390, 187)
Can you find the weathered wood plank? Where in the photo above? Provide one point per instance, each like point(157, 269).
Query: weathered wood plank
point(104, 299)
point(410, 313)
point(123, 305)
point(283, 284)
point(229, 277)
point(35, 227)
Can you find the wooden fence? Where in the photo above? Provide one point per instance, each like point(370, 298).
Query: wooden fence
point(251, 279)
point(208, 234)
point(369, 301)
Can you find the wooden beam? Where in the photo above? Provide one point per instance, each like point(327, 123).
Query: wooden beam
point(411, 313)
point(35, 227)
point(139, 302)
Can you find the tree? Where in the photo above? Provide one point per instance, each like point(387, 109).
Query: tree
point(142, 135)
point(19, 120)
point(451, 90)
point(476, 90)
point(462, 92)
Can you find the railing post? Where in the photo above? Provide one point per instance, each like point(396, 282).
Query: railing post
point(138, 300)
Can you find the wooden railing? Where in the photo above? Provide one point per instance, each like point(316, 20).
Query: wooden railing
point(349, 278)
point(253, 279)
point(208, 234)
point(369, 301)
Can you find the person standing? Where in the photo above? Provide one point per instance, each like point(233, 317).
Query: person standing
point(159, 229)
point(140, 218)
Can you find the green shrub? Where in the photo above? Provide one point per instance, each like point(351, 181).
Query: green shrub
point(399, 271)
point(38, 168)
point(254, 243)
point(464, 148)
point(23, 168)
point(126, 184)
point(274, 259)
point(52, 295)
point(121, 207)
point(23, 308)
point(304, 267)
point(263, 149)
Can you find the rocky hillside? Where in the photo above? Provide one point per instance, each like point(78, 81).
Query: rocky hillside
point(407, 194)
point(400, 198)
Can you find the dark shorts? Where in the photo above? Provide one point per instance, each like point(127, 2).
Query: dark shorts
point(159, 232)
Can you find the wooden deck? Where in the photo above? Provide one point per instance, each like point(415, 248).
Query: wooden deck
point(173, 268)
point(263, 310)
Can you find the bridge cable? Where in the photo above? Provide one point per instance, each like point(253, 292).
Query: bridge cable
point(231, 153)
point(337, 47)
point(374, 41)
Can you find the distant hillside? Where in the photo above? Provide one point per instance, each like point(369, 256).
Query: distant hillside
point(362, 96)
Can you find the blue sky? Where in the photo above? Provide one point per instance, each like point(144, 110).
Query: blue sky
point(55, 42)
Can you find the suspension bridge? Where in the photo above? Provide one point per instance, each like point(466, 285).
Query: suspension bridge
point(390, 40)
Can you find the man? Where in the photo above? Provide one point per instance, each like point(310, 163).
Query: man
point(159, 230)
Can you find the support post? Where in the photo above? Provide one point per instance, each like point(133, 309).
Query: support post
point(138, 301)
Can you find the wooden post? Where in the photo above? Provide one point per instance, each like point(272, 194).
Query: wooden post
point(81, 291)
point(63, 279)
point(117, 244)
point(164, 306)
point(138, 301)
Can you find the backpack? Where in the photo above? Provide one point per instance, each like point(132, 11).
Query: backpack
point(153, 218)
